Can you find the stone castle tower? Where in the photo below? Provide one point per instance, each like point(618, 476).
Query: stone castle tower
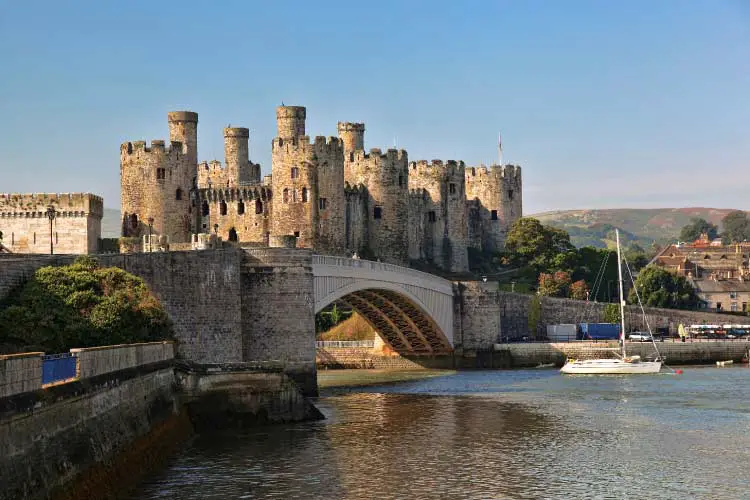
point(308, 184)
point(330, 193)
point(156, 181)
point(380, 180)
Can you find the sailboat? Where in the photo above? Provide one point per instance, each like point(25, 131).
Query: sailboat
point(624, 365)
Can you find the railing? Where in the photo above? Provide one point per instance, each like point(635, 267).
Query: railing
point(370, 265)
point(59, 367)
point(345, 343)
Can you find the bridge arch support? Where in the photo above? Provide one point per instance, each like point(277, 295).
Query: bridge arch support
point(411, 310)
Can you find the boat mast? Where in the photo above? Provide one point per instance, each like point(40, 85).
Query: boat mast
point(622, 300)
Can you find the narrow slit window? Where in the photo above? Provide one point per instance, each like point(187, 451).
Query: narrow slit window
point(377, 213)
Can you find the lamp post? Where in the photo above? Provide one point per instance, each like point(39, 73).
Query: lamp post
point(150, 227)
point(51, 214)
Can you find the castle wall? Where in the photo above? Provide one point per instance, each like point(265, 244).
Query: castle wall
point(496, 191)
point(76, 228)
point(246, 210)
point(331, 202)
point(437, 215)
point(356, 218)
point(386, 178)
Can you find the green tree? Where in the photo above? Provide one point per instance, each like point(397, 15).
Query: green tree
point(736, 227)
point(611, 313)
point(660, 288)
point(696, 228)
point(636, 257)
point(531, 243)
point(81, 305)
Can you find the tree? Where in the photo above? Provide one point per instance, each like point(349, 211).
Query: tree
point(81, 305)
point(660, 288)
point(696, 228)
point(579, 290)
point(636, 257)
point(611, 313)
point(532, 243)
point(736, 227)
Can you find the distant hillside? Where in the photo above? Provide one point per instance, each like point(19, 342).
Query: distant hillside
point(641, 225)
point(111, 223)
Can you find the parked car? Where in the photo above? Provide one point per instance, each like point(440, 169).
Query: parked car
point(640, 337)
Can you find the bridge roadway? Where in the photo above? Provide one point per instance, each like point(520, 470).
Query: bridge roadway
point(412, 310)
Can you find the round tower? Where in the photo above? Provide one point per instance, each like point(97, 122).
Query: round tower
point(353, 136)
point(183, 127)
point(236, 154)
point(290, 121)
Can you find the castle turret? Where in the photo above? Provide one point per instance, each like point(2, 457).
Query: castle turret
point(239, 169)
point(438, 229)
point(384, 178)
point(352, 135)
point(290, 121)
point(183, 127)
point(494, 195)
point(156, 181)
point(308, 185)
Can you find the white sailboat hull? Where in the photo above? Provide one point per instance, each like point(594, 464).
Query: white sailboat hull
point(610, 367)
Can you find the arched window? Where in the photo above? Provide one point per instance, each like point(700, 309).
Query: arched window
point(295, 172)
point(232, 235)
point(178, 194)
point(286, 195)
point(258, 207)
point(240, 208)
point(133, 221)
point(223, 207)
point(304, 195)
point(204, 208)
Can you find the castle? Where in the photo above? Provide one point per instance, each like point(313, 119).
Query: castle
point(329, 193)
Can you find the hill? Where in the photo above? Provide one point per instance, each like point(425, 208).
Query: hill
point(643, 226)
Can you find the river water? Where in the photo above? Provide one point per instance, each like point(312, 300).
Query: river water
point(491, 434)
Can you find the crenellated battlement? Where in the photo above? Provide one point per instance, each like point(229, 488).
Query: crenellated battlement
point(157, 147)
point(376, 153)
point(437, 167)
point(482, 172)
point(236, 194)
point(319, 145)
point(65, 204)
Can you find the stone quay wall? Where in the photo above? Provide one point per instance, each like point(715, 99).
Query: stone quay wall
point(485, 316)
point(93, 436)
point(520, 355)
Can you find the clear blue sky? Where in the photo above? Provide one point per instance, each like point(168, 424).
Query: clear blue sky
point(603, 103)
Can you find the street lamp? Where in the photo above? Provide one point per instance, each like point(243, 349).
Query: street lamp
point(150, 226)
point(51, 214)
point(484, 279)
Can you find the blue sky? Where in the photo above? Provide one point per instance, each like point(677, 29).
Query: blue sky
point(603, 103)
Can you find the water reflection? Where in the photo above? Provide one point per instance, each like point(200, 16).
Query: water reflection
point(525, 434)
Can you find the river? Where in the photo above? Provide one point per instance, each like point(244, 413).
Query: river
point(490, 434)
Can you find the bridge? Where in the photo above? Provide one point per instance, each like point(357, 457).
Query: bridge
point(411, 310)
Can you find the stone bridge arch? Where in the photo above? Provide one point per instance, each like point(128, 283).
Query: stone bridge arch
point(412, 311)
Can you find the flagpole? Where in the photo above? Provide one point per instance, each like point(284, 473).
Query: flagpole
point(500, 148)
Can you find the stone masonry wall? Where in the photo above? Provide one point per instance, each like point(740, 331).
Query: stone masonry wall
point(76, 228)
point(246, 210)
point(278, 319)
point(385, 177)
point(484, 315)
point(437, 214)
point(497, 191)
point(356, 219)
point(20, 373)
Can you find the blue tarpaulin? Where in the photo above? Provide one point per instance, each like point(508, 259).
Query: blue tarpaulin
point(599, 331)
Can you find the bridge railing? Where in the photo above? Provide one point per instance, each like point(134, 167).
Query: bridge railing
point(369, 265)
point(345, 343)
